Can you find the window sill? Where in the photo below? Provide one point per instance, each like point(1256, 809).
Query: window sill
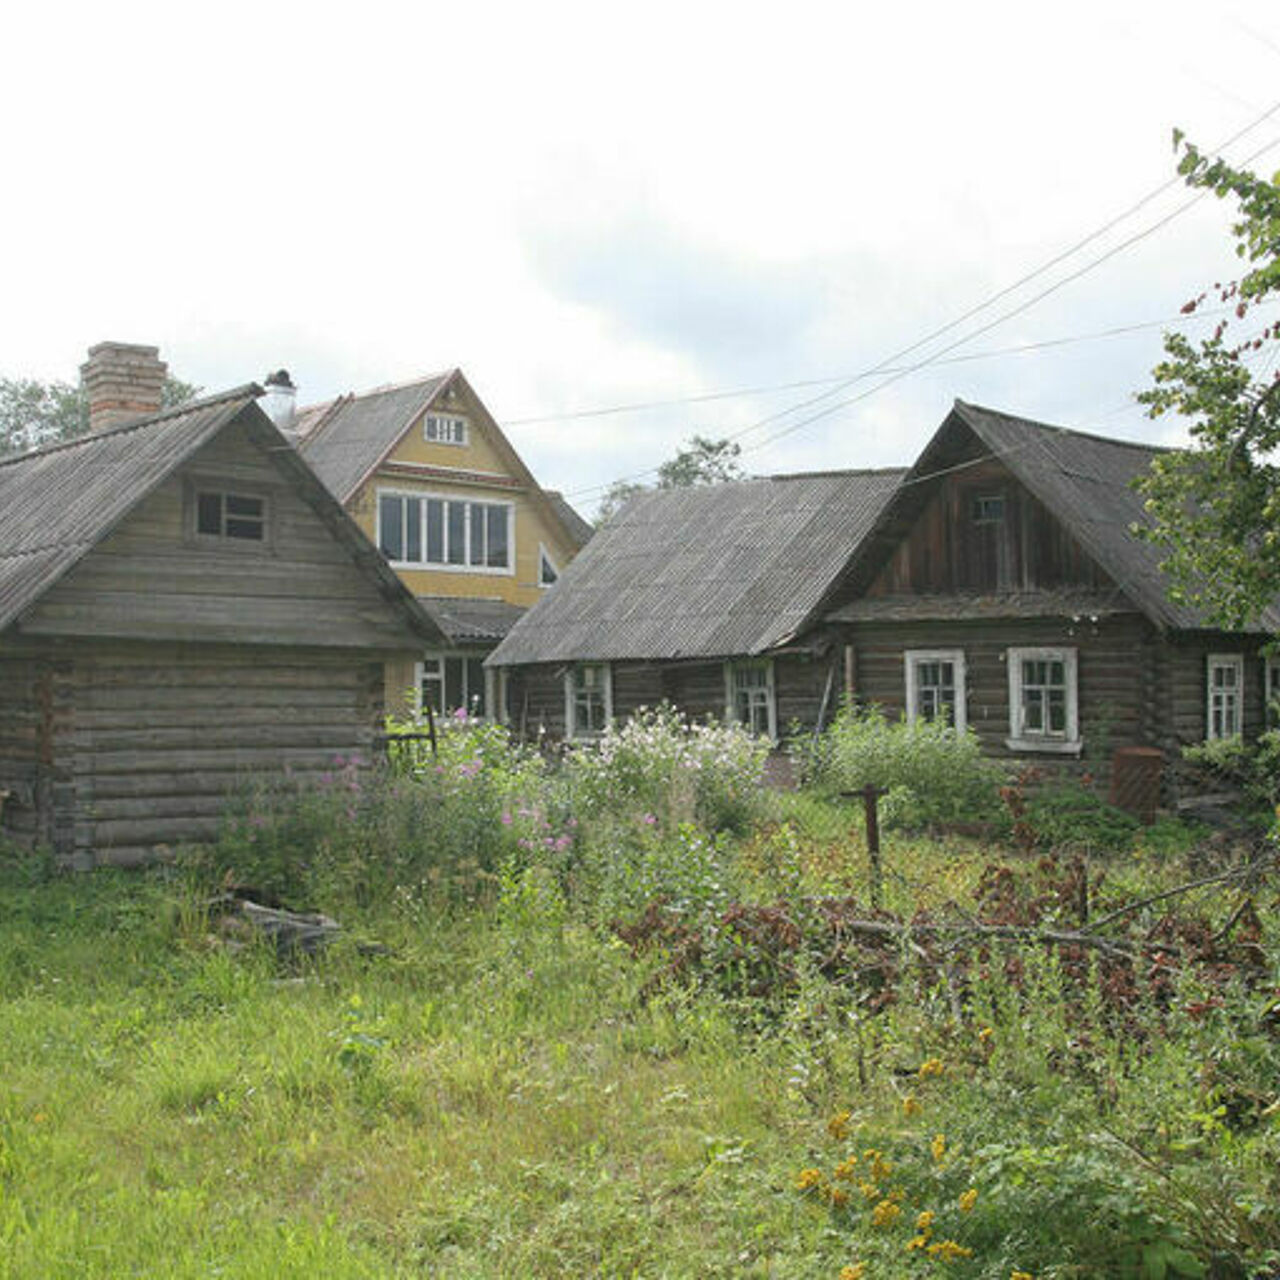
point(424, 566)
point(1045, 746)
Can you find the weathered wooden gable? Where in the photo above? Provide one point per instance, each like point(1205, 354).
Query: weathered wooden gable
point(156, 577)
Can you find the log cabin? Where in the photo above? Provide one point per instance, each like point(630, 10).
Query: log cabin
point(184, 609)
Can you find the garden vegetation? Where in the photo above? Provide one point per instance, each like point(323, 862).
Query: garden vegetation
point(628, 1012)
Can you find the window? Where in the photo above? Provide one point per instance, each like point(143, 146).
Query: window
point(988, 508)
point(1225, 682)
point(547, 571)
point(749, 697)
point(1272, 688)
point(1043, 715)
point(588, 700)
point(450, 533)
point(935, 685)
point(238, 516)
point(444, 429)
point(447, 681)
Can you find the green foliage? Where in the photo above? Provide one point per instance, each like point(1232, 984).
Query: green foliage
point(701, 461)
point(1254, 767)
point(1075, 814)
point(933, 773)
point(1215, 509)
point(667, 771)
point(34, 413)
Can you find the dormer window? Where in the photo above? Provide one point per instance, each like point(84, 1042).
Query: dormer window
point(444, 428)
point(241, 517)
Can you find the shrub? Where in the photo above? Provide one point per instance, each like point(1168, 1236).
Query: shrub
point(660, 764)
point(1075, 814)
point(1254, 767)
point(933, 773)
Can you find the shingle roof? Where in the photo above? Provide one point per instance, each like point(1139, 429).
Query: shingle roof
point(471, 621)
point(346, 439)
point(710, 571)
point(579, 530)
point(1086, 482)
point(58, 502)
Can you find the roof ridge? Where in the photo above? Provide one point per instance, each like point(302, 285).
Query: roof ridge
point(246, 391)
point(387, 387)
point(1065, 431)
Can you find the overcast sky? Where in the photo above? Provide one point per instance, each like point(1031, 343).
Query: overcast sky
point(589, 206)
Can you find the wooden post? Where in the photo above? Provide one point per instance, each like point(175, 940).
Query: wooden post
point(870, 794)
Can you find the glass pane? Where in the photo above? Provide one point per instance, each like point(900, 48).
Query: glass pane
point(435, 531)
point(391, 527)
point(475, 513)
point(497, 521)
point(413, 530)
point(209, 513)
point(456, 541)
point(1057, 712)
point(455, 694)
point(1033, 709)
point(249, 530)
point(240, 505)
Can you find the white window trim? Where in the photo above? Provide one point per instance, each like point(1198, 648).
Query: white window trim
point(570, 703)
point(730, 709)
point(545, 555)
point(450, 417)
point(1070, 743)
point(439, 655)
point(913, 657)
point(1234, 661)
point(431, 565)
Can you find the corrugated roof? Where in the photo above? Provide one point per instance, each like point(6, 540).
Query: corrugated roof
point(346, 439)
point(471, 621)
point(709, 571)
point(1064, 602)
point(57, 502)
point(1086, 482)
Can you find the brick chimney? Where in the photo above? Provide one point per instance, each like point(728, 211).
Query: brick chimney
point(122, 381)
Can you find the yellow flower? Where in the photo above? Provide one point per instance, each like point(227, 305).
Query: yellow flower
point(885, 1214)
point(917, 1242)
point(910, 1107)
point(968, 1200)
point(838, 1125)
point(854, 1271)
point(1021, 1275)
point(809, 1178)
point(925, 1220)
point(838, 1197)
point(844, 1170)
point(930, 1067)
point(985, 1034)
point(949, 1251)
point(880, 1167)
point(869, 1191)
point(938, 1146)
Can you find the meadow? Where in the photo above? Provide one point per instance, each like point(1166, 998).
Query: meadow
point(629, 1014)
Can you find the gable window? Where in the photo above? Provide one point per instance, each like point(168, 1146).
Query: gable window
point(440, 428)
point(448, 533)
point(238, 516)
point(547, 571)
point(935, 685)
point(749, 697)
point(988, 508)
point(449, 681)
point(588, 699)
point(1043, 710)
point(1225, 682)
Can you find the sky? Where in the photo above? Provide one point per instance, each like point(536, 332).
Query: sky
point(589, 207)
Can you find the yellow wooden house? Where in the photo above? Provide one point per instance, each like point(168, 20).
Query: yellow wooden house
point(432, 479)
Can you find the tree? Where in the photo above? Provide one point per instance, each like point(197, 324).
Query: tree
point(701, 461)
point(34, 413)
point(1215, 507)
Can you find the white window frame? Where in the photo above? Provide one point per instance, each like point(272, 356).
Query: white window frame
point(731, 670)
point(1271, 691)
point(422, 497)
point(1233, 662)
point(437, 658)
point(572, 729)
point(454, 427)
point(912, 659)
point(1069, 741)
point(545, 561)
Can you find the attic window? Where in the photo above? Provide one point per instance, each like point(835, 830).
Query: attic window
point(988, 508)
point(239, 516)
point(440, 428)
